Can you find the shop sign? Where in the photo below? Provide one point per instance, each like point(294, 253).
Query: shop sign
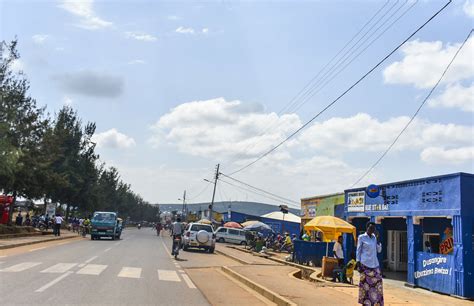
point(372, 191)
point(356, 201)
point(447, 246)
point(311, 211)
point(435, 272)
point(376, 207)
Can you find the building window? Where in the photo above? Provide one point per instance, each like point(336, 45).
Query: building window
point(434, 240)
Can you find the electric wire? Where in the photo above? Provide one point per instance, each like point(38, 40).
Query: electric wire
point(309, 86)
point(293, 205)
point(414, 115)
point(344, 92)
point(259, 189)
point(201, 192)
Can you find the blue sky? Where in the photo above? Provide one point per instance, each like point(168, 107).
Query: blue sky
point(176, 87)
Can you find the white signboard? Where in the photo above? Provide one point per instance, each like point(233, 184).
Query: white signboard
point(356, 201)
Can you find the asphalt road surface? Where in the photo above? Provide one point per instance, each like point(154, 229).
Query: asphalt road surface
point(135, 270)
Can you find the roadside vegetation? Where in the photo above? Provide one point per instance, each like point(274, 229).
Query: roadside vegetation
point(53, 157)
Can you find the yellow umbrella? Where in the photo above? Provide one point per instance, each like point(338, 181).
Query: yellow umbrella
point(332, 227)
point(247, 223)
point(204, 221)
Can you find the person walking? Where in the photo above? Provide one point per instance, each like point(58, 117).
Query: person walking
point(370, 284)
point(57, 225)
point(19, 219)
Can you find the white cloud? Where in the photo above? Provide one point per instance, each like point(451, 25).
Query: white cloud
point(361, 132)
point(205, 30)
point(140, 36)
point(423, 63)
point(455, 96)
point(84, 9)
point(468, 8)
point(136, 62)
point(67, 101)
point(440, 155)
point(40, 38)
point(228, 128)
point(183, 30)
point(113, 139)
point(173, 17)
point(18, 66)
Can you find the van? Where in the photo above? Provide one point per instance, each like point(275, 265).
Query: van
point(232, 235)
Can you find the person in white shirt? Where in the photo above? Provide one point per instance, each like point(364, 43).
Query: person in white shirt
point(338, 252)
point(370, 285)
point(57, 225)
point(176, 232)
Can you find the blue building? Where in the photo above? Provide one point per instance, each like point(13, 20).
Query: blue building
point(426, 227)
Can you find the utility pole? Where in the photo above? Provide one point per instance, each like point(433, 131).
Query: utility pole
point(184, 206)
point(213, 193)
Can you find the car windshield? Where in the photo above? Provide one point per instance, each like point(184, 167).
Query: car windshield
point(201, 227)
point(103, 217)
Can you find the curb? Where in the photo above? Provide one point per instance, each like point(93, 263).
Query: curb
point(233, 257)
point(3, 247)
point(267, 293)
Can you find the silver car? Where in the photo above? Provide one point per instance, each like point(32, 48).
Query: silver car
point(201, 236)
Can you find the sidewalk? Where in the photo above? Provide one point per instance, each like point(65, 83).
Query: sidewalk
point(21, 241)
point(280, 279)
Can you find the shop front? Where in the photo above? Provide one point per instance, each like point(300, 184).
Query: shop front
point(426, 227)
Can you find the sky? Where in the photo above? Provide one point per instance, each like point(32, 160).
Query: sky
point(176, 87)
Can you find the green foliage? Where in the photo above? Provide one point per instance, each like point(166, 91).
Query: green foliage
point(55, 159)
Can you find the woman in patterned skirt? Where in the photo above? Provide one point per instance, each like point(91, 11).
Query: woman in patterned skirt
point(370, 285)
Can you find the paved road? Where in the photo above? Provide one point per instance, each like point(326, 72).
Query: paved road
point(135, 270)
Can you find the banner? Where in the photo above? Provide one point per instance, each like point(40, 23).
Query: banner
point(435, 272)
point(356, 201)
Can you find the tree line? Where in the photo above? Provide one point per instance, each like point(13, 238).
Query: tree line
point(53, 157)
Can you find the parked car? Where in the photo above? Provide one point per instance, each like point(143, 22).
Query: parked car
point(233, 235)
point(197, 235)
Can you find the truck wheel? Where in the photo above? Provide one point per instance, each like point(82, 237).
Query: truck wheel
point(113, 237)
point(211, 250)
point(92, 237)
point(221, 240)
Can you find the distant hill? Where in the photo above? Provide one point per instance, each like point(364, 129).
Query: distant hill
point(251, 208)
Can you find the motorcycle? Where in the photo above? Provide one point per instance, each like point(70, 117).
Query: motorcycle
point(139, 226)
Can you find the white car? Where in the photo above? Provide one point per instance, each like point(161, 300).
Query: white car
point(233, 235)
point(201, 236)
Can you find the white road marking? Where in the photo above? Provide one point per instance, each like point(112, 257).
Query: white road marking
point(32, 250)
point(59, 268)
point(166, 248)
point(21, 267)
point(130, 272)
point(90, 259)
point(106, 250)
point(3, 256)
point(188, 281)
point(181, 271)
point(81, 265)
point(168, 275)
point(92, 269)
point(54, 281)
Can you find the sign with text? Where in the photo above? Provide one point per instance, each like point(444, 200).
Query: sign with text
point(435, 272)
point(356, 201)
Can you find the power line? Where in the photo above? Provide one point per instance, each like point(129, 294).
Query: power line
point(310, 86)
point(260, 194)
point(415, 114)
point(201, 192)
point(344, 92)
point(261, 190)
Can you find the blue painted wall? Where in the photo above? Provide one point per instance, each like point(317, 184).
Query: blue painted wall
point(280, 226)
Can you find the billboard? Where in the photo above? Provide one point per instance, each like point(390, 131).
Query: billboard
point(356, 201)
point(435, 272)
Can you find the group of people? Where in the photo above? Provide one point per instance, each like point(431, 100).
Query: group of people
point(274, 241)
point(366, 262)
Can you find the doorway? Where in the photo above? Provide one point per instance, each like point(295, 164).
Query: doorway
point(397, 251)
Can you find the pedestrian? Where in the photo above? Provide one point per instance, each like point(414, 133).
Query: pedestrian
point(370, 284)
point(338, 252)
point(27, 219)
point(57, 225)
point(19, 219)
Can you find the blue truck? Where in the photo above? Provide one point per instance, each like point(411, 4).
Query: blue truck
point(106, 224)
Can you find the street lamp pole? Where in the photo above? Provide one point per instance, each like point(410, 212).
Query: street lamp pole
point(213, 193)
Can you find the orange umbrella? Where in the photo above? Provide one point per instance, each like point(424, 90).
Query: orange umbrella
point(232, 225)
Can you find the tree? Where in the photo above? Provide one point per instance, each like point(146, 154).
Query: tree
point(22, 127)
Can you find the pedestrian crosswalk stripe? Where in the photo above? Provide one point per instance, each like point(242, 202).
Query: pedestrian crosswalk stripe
point(59, 268)
point(92, 269)
point(130, 272)
point(168, 275)
point(21, 267)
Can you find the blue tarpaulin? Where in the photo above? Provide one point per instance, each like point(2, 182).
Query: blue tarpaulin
point(435, 272)
point(306, 251)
